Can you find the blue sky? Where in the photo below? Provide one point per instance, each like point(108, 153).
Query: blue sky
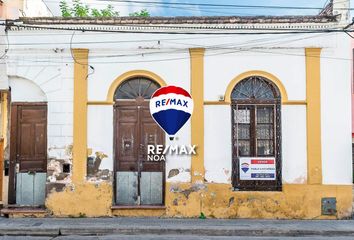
point(173, 10)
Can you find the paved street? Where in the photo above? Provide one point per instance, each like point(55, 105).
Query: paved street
point(169, 237)
point(160, 228)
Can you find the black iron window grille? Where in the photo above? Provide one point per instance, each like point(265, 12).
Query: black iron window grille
point(256, 130)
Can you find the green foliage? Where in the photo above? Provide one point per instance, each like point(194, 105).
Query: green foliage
point(95, 12)
point(65, 9)
point(142, 13)
point(109, 12)
point(81, 10)
point(202, 216)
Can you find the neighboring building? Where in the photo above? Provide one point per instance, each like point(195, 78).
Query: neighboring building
point(13, 9)
point(79, 127)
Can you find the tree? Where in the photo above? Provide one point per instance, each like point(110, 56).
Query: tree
point(82, 10)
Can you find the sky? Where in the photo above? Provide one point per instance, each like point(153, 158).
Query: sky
point(173, 10)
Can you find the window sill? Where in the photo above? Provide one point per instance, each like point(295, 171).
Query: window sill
point(142, 207)
point(253, 189)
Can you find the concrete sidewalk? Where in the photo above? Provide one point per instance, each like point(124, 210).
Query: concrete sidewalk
point(144, 226)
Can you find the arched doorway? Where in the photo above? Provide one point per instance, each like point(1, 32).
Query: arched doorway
point(256, 135)
point(28, 144)
point(137, 181)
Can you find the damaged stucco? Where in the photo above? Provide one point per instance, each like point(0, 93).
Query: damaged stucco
point(94, 171)
point(219, 201)
point(59, 171)
point(212, 200)
point(82, 199)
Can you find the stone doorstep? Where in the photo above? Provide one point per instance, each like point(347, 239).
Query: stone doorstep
point(20, 212)
point(138, 211)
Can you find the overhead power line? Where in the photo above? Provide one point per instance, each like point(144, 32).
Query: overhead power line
point(185, 58)
point(154, 40)
point(253, 46)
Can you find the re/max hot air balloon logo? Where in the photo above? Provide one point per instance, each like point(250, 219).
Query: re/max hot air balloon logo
point(171, 107)
point(245, 167)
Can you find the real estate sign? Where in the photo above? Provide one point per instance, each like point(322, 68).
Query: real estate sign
point(257, 168)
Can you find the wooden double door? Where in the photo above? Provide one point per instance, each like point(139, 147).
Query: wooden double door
point(28, 154)
point(137, 180)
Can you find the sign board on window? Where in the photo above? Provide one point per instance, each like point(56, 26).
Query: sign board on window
point(257, 168)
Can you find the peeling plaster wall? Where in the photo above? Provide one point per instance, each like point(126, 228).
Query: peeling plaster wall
point(218, 201)
point(100, 143)
point(100, 117)
point(100, 133)
point(52, 83)
point(81, 200)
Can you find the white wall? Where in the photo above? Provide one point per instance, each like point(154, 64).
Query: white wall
point(35, 8)
point(24, 90)
point(336, 113)
point(220, 70)
point(53, 83)
point(294, 144)
point(217, 140)
point(174, 72)
point(100, 132)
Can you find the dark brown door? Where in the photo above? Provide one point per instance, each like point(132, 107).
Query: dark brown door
point(28, 138)
point(139, 182)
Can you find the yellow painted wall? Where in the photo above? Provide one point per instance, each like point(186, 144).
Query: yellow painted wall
point(219, 201)
point(80, 115)
point(197, 119)
point(4, 136)
point(313, 95)
point(81, 200)
point(214, 200)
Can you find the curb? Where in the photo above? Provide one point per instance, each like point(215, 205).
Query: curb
point(64, 231)
point(29, 232)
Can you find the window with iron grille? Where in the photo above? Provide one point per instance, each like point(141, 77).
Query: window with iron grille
point(256, 129)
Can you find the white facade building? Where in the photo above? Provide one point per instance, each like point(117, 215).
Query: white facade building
point(73, 67)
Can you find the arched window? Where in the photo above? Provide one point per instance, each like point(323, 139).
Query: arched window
point(136, 87)
point(256, 135)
